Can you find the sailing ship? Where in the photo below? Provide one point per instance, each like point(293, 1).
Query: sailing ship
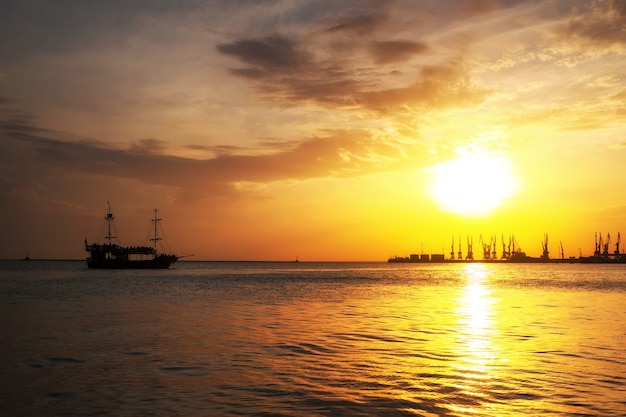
point(110, 255)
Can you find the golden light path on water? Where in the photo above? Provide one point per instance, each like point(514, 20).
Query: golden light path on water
point(477, 352)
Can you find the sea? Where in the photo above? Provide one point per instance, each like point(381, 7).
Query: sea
point(312, 339)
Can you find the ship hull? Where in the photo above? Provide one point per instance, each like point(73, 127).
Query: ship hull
point(159, 262)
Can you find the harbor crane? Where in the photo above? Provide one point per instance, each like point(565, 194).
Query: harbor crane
point(602, 247)
point(486, 249)
point(605, 247)
point(506, 253)
point(470, 249)
point(452, 249)
point(545, 254)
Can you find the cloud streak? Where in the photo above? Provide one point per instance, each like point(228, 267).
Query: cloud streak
point(267, 56)
point(282, 69)
point(336, 153)
point(386, 52)
point(603, 24)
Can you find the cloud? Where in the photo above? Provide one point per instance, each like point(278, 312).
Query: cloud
point(602, 24)
point(149, 146)
point(16, 189)
point(437, 87)
point(385, 52)
point(480, 6)
point(621, 96)
point(364, 24)
point(283, 71)
point(332, 153)
point(266, 56)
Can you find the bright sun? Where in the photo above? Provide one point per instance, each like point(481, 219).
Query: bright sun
point(474, 184)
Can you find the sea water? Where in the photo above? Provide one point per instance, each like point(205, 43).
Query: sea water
point(313, 339)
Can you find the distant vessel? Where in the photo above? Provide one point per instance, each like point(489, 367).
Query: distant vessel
point(110, 255)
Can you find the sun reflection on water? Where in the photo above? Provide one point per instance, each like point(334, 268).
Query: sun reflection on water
point(476, 353)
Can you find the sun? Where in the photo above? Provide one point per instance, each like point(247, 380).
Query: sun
point(474, 184)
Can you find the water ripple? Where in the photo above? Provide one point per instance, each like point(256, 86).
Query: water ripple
point(315, 340)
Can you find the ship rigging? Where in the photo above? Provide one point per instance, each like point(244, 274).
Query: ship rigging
point(111, 255)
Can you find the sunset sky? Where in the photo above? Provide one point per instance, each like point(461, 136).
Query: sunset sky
point(323, 130)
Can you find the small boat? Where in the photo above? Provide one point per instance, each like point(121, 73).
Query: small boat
point(110, 255)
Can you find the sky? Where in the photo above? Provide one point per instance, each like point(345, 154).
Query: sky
point(348, 130)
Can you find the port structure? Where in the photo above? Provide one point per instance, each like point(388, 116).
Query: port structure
point(470, 250)
point(602, 247)
point(545, 254)
point(486, 248)
point(506, 250)
point(452, 249)
point(510, 249)
point(489, 248)
point(512, 252)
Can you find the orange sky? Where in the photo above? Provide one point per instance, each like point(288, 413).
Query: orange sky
point(323, 130)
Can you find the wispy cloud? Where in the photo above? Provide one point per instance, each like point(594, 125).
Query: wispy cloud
point(336, 153)
point(385, 52)
point(601, 24)
point(359, 24)
point(267, 56)
point(282, 68)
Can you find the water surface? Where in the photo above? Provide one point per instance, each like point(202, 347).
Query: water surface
point(313, 339)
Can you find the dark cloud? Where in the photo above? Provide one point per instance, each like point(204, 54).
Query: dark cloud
point(217, 150)
point(322, 89)
point(35, 27)
point(386, 52)
point(149, 146)
point(480, 6)
point(602, 24)
point(359, 25)
point(17, 122)
point(619, 7)
point(266, 56)
point(284, 72)
point(435, 87)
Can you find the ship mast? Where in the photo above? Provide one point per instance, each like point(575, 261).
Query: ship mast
point(109, 219)
point(155, 221)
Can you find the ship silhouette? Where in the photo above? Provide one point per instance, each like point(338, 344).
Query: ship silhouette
point(110, 255)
